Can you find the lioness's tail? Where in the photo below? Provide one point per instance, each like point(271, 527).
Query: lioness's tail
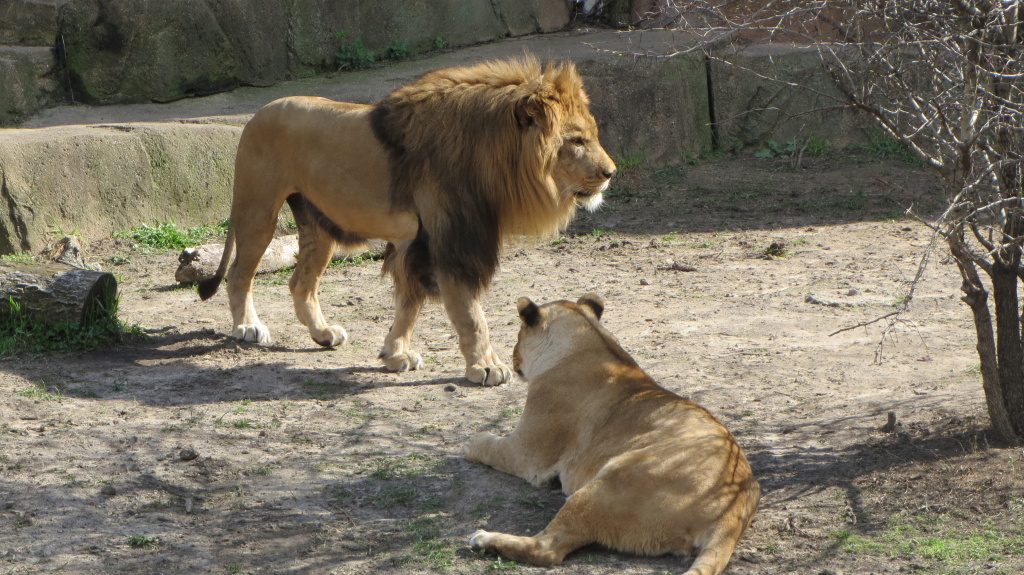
point(715, 553)
point(209, 286)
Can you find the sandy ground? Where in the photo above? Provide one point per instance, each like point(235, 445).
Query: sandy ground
point(191, 453)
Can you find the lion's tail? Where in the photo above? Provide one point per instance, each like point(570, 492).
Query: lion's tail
point(721, 542)
point(209, 286)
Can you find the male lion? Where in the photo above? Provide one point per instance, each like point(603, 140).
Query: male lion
point(646, 471)
point(443, 169)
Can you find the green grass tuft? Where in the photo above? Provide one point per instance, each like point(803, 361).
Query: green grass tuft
point(167, 236)
point(22, 333)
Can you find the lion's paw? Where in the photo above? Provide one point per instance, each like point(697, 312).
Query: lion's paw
point(330, 336)
point(480, 540)
point(405, 361)
point(256, 333)
point(490, 376)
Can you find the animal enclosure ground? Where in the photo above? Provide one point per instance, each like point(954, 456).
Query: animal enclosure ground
point(192, 453)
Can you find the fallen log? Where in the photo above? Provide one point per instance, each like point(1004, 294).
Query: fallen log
point(56, 293)
point(200, 262)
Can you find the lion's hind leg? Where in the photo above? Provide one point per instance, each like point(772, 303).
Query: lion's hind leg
point(569, 530)
point(317, 237)
point(251, 242)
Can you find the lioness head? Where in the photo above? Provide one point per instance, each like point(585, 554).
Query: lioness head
point(549, 333)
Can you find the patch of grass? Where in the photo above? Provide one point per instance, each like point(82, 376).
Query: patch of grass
point(357, 259)
point(499, 564)
point(276, 278)
point(817, 146)
point(395, 497)
point(353, 55)
point(41, 392)
point(142, 542)
point(773, 149)
point(932, 538)
point(776, 249)
point(854, 202)
point(20, 257)
point(167, 236)
point(24, 333)
point(629, 162)
point(411, 465)
point(884, 147)
point(440, 43)
point(398, 50)
point(234, 568)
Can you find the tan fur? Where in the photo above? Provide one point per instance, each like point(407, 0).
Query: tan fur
point(646, 471)
point(444, 169)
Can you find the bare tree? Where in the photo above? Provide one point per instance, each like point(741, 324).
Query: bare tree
point(945, 78)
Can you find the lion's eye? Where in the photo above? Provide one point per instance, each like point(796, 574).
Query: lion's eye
point(577, 141)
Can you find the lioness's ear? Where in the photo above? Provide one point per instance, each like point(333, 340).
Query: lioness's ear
point(530, 111)
point(528, 311)
point(594, 302)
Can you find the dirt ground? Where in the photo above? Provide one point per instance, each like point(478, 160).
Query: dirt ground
point(192, 453)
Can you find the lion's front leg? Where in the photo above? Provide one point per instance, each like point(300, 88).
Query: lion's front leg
point(397, 352)
point(467, 315)
point(510, 455)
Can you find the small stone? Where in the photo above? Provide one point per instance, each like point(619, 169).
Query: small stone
point(853, 291)
point(644, 282)
point(188, 454)
point(449, 387)
point(108, 490)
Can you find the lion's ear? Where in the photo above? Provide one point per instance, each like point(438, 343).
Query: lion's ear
point(528, 311)
point(594, 302)
point(530, 111)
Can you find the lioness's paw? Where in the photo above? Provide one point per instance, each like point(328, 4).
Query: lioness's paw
point(475, 446)
point(406, 361)
point(331, 336)
point(480, 540)
point(496, 374)
point(256, 333)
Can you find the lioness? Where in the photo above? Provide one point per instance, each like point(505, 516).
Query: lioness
point(443, 169)
point(646, 471)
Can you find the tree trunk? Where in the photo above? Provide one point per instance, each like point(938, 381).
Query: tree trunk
point(57, 293)
point(976, 298)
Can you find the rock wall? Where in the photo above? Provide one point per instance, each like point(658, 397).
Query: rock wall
point(122, 51)
point(97, 180)
point(116, 174)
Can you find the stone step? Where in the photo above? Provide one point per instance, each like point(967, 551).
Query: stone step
point(27, 82)
point(29, 22)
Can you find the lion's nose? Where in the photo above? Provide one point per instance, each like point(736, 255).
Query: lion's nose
point(609, 173)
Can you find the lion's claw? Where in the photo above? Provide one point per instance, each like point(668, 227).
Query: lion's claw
point(489, 376)
point(331, 336)
point(256, 333)
point(407, 361)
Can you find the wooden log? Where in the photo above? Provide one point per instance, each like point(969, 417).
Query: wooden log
point(200, 262)
point(56, 293)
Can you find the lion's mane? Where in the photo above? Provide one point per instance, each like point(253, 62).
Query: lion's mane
point(472, 151)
